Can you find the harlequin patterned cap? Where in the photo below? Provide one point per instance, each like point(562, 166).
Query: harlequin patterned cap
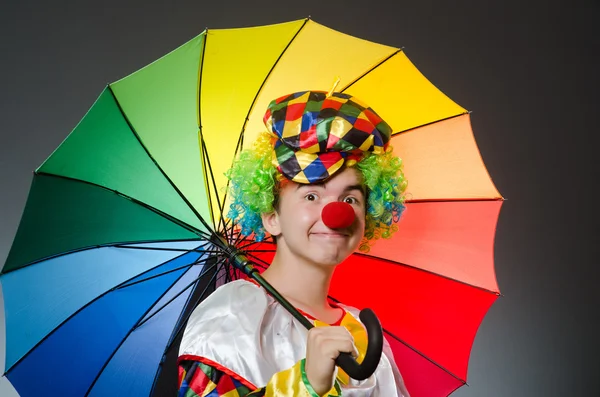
point(316, 133)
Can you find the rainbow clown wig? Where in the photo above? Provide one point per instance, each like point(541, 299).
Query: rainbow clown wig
point(310, 136)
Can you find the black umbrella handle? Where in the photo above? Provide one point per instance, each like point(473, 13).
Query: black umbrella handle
point(374, 349)
point(345, 361)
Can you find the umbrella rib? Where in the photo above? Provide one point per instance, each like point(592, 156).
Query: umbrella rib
point(176, 221)
point(255, 250)
point(126, 336)
point(219, 264)
point(242, 241)
point(171, 218)
point(180, 323)
point(259, 262)
point(209, 251)
point(425, 357)
point(236, 243)
point(135, 134)
point(240, 142)
point(401, 264)
point(378, 65)
point(82, 308)
point(454, 200)
point(429, 271)
point(202, 274)
point(132, 247)
point(430, 123)
point(230, 228)
point(398, 50)
point(207, 184)
point(200, 133)
point(197, 262)
point(106, 245)
point(241, 138)
point(249, 242)
point(230, 235)
point(206, 159)
point(228, 225)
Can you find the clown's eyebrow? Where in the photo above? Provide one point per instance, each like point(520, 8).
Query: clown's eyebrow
point(361, 188)
point(301, 185)
point(358, 187)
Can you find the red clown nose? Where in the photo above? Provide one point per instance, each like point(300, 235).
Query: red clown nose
point(337, 215)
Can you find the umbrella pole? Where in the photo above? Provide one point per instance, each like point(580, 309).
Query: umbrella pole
point(241, 262)
point(345, 360)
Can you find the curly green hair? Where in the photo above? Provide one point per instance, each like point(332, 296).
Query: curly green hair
point(255, 185)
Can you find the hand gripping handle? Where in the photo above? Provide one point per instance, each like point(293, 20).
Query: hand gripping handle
point(375, 336)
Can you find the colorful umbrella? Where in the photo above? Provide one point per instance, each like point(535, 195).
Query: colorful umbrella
point(119, 227)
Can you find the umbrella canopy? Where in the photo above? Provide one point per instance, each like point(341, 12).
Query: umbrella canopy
point(116, 233)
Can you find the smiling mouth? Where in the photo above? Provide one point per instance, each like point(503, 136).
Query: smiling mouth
point(331, 235)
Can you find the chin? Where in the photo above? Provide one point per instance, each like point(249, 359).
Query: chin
point(329, 263)
point(330, 259)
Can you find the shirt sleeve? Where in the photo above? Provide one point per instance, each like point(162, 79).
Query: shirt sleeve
point(198, 379)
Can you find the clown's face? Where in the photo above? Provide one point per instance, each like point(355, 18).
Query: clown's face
point(301, 233)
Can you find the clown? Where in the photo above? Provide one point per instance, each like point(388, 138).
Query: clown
point(323, 183)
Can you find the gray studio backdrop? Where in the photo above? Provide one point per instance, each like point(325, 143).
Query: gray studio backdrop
point(527, 71)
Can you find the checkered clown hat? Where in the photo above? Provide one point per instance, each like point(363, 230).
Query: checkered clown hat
point(317, 133)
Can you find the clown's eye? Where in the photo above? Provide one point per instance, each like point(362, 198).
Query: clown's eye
point(311, 197)
point(351, 200)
